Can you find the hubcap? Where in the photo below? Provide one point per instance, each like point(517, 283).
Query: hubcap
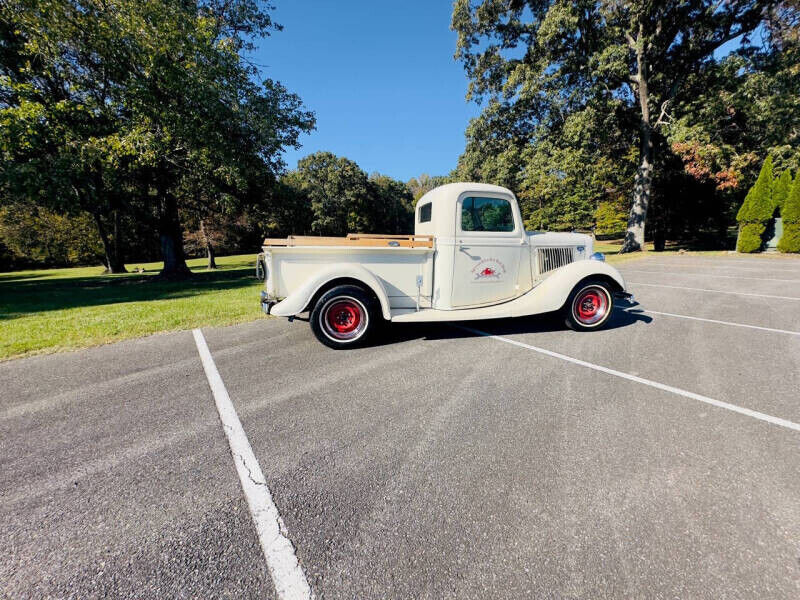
point(590, 305)
point(343, 319)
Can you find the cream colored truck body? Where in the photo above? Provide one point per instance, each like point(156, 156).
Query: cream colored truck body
point(456, 275)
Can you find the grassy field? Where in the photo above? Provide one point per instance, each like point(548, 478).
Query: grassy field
point(611, 249)
point(63, 309)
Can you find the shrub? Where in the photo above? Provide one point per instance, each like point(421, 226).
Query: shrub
point(757, 206)
point(750, 237)
point(781, 188)
point(756, 211)
point(790, 240)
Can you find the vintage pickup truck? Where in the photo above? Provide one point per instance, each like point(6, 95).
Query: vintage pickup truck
point(469, 258)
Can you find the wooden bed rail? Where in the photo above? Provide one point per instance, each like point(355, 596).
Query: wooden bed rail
point(373, 240)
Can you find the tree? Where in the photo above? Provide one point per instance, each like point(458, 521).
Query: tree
point(790, 240)
point(332, 195)
point(392, 205)
point(756, 211)
point(35, 235)
point(541, 63)
point(781, 188)
point(338, 192)
point(52, 119)
point(136, 102)
point(609, 219)
point(423, 184)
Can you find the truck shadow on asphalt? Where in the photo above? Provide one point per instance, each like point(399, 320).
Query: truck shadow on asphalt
point(625, 314)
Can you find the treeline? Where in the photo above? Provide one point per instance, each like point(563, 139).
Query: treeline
point(325, 195)
point(613, 115)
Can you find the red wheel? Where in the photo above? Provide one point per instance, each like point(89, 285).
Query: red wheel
point(589, 306)
point(344, 316)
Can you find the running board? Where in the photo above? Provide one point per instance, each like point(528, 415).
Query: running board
point(425, 315)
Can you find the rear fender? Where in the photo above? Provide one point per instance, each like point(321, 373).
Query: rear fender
point(298, 300)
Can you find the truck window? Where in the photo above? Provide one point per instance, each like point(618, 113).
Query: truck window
point(425, 213)
point(486, 214)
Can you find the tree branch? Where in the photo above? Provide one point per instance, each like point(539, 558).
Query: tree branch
point(663, 118)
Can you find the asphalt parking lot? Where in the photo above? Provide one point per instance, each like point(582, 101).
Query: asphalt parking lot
point(658, 458)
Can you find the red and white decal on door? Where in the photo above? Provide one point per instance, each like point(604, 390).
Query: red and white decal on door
point(487, 270)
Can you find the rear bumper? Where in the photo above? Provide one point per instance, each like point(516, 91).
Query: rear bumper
point(267, 303)
point(624, 296)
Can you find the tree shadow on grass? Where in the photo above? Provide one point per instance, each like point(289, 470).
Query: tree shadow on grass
point(24, 296)
point(6, 277)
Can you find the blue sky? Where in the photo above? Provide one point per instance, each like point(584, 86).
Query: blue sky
point(380, 77)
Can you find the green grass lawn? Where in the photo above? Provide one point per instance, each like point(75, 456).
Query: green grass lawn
point(63, 309)
point(611, 249)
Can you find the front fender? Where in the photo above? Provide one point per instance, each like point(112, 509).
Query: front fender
point(297, 301)
point(553, 292)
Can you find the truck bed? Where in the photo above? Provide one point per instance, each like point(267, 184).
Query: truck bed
point(398, 261)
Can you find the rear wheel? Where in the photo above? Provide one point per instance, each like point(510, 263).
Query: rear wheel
point(589, 306)
point(344, 317)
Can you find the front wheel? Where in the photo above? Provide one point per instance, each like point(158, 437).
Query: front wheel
point(589, 306)
point(344, 317)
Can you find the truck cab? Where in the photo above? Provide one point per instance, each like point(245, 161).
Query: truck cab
point(468, 258)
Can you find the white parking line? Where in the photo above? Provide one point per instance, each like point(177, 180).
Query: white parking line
point(666, 314)
point(710, 275)
point(290, 582)
point(720, 266)
point(681, 287)
point(660, 386)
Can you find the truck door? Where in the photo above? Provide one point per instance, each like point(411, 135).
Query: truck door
point(489, 244)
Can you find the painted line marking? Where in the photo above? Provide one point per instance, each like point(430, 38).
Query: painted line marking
point(681, 287)
point(666, 314)
point(660, 386)
point(290, 582)
point(718, 266)
point(710, 275)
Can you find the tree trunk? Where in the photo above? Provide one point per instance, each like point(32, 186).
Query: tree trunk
point(171, 236)
point(634, 236)
point(118, 260)
point(643, 184)
point(112, 258)
point(212, 264)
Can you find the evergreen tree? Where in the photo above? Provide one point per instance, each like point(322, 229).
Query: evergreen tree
point(790, 240)
point(781, 188)
point(756, 211)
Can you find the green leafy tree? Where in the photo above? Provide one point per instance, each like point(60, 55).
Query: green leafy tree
point(756, 211)
point(134, 103)
point(36, 235)
point(393, 205)
point(781, 188)
point(609, 219)
point(334, 196)
point(423, 184)
point(790, 240)
point(338, 192)
point(543, 62)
